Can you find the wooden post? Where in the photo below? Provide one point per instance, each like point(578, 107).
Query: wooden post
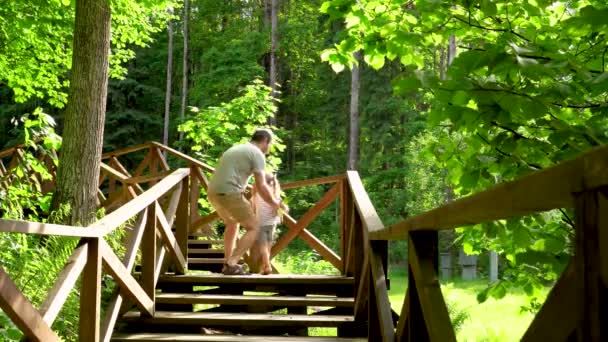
point(148, 254)
point(182, 219)
point(90, 294)
point(416, 326)
point(374, 330)
point(591, 263)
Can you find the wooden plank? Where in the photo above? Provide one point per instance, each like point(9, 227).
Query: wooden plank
point(343, 228)
point(148, 254)
point(422, 250)
point(12, 226)
point(182, 220)
point(205, 261)
point(239, 319)
point(9, 151)
point(161, 159)
point(321, 248)
point(203, 178)
point(562, 311)
point(22, 312)
point(181, 298)
point(125, 150)
point(367, 212)
point(380, 293)
point(113, 173)
point(136, 180)
point(184, 157)
point(204, 221)
point(362, 295)
point(310, 182)
point(144, 163)
point(170, 242)
point(195, 194)
point(158, 337)
point(539, 191)
point(205, 251)
point(401, 333)
point(205, 242)
point(124, 171)
point(63, 286)
point(124, 213)
point(591, 208)
point(273, 279)
point(305, 220)
point(90, 293)
point(113, 308)
point(128, 285)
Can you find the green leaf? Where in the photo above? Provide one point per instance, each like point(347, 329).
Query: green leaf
point(469, 180)
point(375, 60)
point(488, 7)
point(483, 296)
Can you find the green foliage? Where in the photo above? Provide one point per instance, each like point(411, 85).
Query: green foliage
point(305, 262)
point(22, 197)
point(38, 36)
point(520, 96)
point(209, 132)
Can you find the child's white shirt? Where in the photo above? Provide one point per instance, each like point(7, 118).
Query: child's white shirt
point(265, 213)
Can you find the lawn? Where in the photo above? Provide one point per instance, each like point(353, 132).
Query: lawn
point(494, 320)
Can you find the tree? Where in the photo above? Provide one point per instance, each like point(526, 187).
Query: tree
point(168, 87)
point(274, 41)
point(353, 135)
point(522, 96)
point(182, 111)
point(78, 172)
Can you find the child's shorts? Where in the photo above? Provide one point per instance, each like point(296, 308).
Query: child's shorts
point(266, 233)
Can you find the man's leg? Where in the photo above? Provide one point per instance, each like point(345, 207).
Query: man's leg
point(230, 235)
point(245, 243)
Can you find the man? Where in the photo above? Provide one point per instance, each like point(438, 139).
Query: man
point(226, 193)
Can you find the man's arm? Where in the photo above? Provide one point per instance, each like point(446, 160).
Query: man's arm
point(264, 190)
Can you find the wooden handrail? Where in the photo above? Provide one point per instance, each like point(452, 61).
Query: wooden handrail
point(380, 319)
point(126, 150)
point(543, 190)
point(314, 181)
point(184, 156)
point(110, 222)
point(36, 228)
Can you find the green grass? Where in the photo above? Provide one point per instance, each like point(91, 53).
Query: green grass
point(494, 320)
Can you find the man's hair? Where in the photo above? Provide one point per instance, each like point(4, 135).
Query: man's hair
point(262, 135)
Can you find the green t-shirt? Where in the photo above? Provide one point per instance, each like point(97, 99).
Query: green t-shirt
point(235, 168)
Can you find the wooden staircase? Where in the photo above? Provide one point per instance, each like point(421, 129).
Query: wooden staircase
point(205, 306)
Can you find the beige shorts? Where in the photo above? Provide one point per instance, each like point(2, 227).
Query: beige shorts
point(232, 207)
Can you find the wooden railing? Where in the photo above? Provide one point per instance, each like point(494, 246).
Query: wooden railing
point(575, 309)
point(155, 197)
point(93, 253)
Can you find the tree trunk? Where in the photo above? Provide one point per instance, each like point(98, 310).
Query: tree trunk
point(79, 163)
point(182, 112)
point(168, 88)
point(353, 140)
point(273, 55)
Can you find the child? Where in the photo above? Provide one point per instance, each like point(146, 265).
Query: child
point(268, 219)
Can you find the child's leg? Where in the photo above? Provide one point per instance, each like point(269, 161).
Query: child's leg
point(265, 253)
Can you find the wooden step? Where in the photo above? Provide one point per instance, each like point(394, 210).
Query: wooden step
point(214, 319)
point(205, 261)
point(291, 284)
point(193, 242)
point(273, 279)
point(151, 337)
point(178, 298)
point(205, 251)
